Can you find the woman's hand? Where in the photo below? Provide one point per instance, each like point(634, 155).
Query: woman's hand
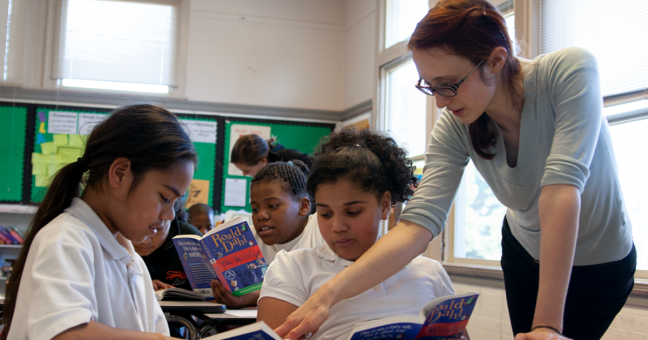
point(157, 285)
point(541, 334)
point(308, 317)
point(222, 295)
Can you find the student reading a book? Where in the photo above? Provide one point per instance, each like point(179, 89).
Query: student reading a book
point(251, 152)
point(357, 177)
point(535, 131)
point(159, 253)
point(282, 220)
point(201, 216)
point(78, 276)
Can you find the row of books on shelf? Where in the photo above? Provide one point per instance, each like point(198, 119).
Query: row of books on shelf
point(11, 235)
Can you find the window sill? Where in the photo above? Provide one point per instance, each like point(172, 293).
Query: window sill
point(489, 272)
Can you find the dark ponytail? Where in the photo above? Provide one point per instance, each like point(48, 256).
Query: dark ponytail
point(365, 157)
point(471, 29)
point(149, 136)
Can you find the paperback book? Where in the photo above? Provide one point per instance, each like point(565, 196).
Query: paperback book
point(442, 318)
point(228, 253)
point(178, 294)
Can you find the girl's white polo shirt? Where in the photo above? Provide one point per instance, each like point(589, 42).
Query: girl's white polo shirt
point(296, 275)
point(77, 271)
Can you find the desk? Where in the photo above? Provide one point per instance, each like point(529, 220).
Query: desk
point(191, 306)
point(211, 316)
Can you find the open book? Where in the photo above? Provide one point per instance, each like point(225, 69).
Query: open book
point(442, 318)
point(228, 253)
point(178, 294)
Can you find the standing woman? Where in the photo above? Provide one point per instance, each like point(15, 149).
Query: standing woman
point(536, 133)
point(251, 152)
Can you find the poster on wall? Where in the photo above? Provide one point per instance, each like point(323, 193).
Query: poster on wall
point(236, 132)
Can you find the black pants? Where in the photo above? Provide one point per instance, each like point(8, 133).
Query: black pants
point(595, 294)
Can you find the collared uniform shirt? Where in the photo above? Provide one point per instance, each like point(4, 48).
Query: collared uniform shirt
point(296, 275)
point(311, 237)
point(77, 271)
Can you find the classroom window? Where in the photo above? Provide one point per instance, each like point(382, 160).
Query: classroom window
point(118, 45)
point(620, 53)
point(478, 215)
point(13, 26)
point(401, 19)
point(406, 109)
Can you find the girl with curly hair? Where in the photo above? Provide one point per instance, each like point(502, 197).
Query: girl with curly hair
point(357, 177)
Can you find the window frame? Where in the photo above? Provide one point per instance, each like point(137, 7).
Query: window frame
point(55, 15)
point(527, 36)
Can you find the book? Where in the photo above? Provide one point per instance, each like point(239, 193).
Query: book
point(7, 236)
point(17, 236)
point(256, 331)
point(228, 253)
point(442, 318)
point(178, 294)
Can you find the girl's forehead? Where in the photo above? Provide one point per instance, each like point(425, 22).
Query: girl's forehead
point(262, 189)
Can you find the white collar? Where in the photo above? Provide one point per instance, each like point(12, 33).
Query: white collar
point(325, 253)
point(117, 246)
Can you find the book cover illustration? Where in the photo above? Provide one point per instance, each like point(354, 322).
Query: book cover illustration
point(235, 254)
point(229, 253)
point(399, 327)
point(448, 318)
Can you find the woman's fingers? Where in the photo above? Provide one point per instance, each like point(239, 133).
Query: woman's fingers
point(302, 321)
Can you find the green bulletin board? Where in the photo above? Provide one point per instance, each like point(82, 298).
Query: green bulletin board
point(13, 127)
point(52, 151)
point(206, 159)
point(300, 137)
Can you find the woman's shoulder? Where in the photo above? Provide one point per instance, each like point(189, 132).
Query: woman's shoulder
point(566, 59)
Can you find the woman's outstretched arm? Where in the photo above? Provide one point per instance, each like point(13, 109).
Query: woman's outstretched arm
point(385, 258)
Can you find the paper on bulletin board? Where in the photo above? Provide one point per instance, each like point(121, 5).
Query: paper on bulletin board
point(235, 190)
point(88, 121)
point(198, 192)
point(236, 131)
point(201, 131)
point(62, 122)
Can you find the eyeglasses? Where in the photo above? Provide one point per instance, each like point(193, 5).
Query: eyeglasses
point(449, 91)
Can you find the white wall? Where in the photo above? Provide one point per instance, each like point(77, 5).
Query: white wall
point(285, 53)
point(361, 51)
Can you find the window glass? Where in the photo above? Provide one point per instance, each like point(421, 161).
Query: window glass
point(478, 219)
point(629, 139)
point(105, 43)
point(406, 109)
point(402, 17)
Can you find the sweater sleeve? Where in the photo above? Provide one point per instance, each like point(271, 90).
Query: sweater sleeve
point(445, 160)
point(574, 89)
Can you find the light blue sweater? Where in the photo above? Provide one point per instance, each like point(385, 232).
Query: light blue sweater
point(564, 139)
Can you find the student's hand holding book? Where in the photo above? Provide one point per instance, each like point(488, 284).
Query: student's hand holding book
point(158, 285)
point(222, 295)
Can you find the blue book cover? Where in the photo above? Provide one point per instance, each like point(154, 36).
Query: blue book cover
point(397, 327)
point(442, 318)
point(231, 253)
point(447, 316)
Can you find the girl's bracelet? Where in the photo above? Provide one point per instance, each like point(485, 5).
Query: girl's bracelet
point(547, 327)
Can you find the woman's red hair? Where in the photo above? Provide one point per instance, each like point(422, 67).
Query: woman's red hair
point(471, 29)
